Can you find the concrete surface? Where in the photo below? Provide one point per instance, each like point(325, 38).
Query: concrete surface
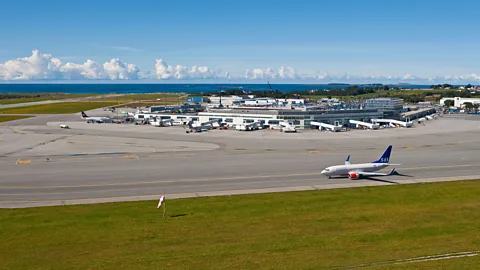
point(42, 164)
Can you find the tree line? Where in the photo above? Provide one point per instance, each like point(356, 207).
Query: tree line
point(372, 91)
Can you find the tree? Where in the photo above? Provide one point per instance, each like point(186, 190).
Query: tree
point(468, 105)
point(449, 103)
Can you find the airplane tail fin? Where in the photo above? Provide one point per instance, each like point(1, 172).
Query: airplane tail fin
point(347, 161)
point(84, 115)
point(385, 158)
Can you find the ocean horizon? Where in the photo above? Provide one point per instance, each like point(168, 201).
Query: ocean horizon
point(142, 88)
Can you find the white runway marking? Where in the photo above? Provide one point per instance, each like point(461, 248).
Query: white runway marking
point(415, 260)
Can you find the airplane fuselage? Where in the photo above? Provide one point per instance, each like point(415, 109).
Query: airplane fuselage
point(344, 170)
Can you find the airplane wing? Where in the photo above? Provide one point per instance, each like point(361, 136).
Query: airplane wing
point(375, 174)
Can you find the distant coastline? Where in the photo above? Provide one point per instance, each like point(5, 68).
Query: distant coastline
point(134, 88)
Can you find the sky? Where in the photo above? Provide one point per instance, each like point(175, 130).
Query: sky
point(241, 41)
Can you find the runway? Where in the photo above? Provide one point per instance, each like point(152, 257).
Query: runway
point(152, 163)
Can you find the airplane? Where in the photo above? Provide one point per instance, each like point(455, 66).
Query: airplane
point(356, 171)
point(95, 119)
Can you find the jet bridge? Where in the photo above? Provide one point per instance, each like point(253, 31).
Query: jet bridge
point(393, 122)
point(326, 126)
point(364, 124)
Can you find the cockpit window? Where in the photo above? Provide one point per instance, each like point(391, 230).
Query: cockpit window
point(327, 170)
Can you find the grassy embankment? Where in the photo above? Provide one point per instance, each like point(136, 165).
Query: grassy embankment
point(27, 98)
point(294, 230)
point(138, 99)
point(6, 118)
point(57, 108)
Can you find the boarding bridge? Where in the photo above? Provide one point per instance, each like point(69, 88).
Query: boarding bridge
point(326, 126)
point(393, 123)
point(365, 124)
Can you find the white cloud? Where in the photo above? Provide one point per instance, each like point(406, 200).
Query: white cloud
point(46, 67)
point(36, 66)
point(116, 70)
point(164, 71)
point(269, 73)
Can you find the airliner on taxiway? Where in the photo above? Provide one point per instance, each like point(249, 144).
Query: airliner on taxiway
point(356, 171)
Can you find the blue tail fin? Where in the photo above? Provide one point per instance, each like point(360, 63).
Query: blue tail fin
point(385, 158)
point(347, 161)
point(84, 115)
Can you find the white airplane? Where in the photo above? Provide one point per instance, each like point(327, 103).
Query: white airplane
point(356, 171)
point(95, 119)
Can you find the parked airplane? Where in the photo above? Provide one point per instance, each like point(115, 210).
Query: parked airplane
point(95, 119)
point(356, 171)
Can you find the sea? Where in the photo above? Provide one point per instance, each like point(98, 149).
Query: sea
point(104, 88)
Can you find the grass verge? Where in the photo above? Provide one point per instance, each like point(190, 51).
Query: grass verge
point(6, 118)
point(295, 230)
point(27, 98)
point(57, 108)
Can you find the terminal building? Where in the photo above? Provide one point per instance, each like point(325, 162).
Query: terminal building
point(186, 108)
point(391, 107)
point(271, 117)
point(272, 112)
point(299, 118)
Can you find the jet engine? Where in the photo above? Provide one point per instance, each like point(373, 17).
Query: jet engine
point(353, 175)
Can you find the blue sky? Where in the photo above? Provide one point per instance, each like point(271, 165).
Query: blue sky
point(365, 38)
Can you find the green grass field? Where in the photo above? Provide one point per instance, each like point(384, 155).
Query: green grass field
point(38, 97)
point(295, 230)
point(6, 118)
point(57, 108)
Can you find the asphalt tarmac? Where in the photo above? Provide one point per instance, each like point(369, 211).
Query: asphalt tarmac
point(42, 164)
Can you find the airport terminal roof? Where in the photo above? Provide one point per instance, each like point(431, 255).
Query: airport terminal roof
point(410, 113)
